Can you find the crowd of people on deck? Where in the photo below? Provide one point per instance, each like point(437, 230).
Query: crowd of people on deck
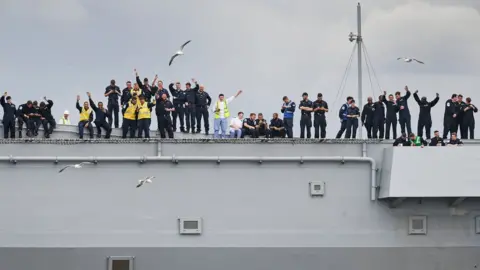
point(186, 108)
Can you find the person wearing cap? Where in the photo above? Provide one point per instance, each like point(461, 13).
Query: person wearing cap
point(48, 122)
point(65, 120)
point(190, 106)
point(129, 112)
point(179, 99)
point(9, 112)
point(320, 107)
point(126, 96)
point(306, 108)
point(288, 110)
point(221, 114)
point(353, 113)
point(202, 102)
point(144, 111)
point(101, 116)
point(146, 88)
point(163, 109)
point(112, 92)
point(342, 114)
point(86, 118)
point(424, 117)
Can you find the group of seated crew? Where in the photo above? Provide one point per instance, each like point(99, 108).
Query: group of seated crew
point(437, 140)
point(255, 127)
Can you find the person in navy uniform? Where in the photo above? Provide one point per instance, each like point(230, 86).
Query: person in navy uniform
point(306, 107)
point(353, 113)
point(424, 117)
point(436, 140)
point(276, 128)
point(468, 119)
point(163, 109)
point(379, 119)
point(320, 107)
point(404, 113)
point(342, 114)
point(112, 92)
point(9, 112)
point(391, 119)
point(179, 99)
point(288, 109)
point(454, 141)
point(249, 126)
point(367, 116)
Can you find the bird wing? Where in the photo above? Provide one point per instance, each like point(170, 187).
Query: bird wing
point(64, 168)
point(418, 61)
point(400, 58)
point(86, 163)
point(139, 185)
point(171, 60)
point(183, 46)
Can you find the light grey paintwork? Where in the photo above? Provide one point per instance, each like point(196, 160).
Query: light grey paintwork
point(256, 216)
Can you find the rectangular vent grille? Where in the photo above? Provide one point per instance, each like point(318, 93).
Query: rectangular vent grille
point(417, 225)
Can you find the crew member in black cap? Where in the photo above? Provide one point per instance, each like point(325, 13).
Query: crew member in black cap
point(353, 113)
point(320, 107)
point(306, 107)
point(146, 88)
point(288, 109)
point(9, 111)
point(112, 92)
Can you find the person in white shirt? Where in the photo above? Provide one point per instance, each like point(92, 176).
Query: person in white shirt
point(65, 120)
point(221, 114)
point(236, 126)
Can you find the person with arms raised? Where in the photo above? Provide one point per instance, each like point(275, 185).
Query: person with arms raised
point(424, 117)
point(179, 99)
point(9, 112)
point(86, 118)
point(101, 116)
point(404, 113)
point(221, 114)
point(47, 119)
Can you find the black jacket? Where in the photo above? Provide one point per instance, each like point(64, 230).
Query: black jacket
point(46, 112)
point(100, 115)
point(179, 96)
point(392, 109)
point(425, 107)
point(368, 113)
point(202, 99)
point(113, 97)
point(9, 110)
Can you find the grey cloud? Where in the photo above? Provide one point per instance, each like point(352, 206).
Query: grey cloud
point(268, 48)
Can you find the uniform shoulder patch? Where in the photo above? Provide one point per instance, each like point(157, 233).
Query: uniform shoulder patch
point(448, 104)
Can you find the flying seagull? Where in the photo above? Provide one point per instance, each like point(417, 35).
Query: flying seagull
point(408, 60)
point(76, 166)
point(179, 52)
point(145, 180)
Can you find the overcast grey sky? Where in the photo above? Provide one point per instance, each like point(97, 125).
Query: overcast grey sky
point(268, 48)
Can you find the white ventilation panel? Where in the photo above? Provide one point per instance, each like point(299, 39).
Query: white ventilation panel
point(190, 225)
point(417, 225)
point(317, 188)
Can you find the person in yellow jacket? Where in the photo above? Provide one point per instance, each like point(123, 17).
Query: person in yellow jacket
point(86, 118)
point(136, 91)
point(129, 112)
point(221, 114)
point(144, 110)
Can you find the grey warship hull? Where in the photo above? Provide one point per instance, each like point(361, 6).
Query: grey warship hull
point(253, 198)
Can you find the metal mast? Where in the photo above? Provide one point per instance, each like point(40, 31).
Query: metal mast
point(358, 38)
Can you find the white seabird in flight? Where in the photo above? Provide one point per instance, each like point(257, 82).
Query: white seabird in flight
point(409, 60)
point(145, 180)
point(178, 53)
point(76, 166)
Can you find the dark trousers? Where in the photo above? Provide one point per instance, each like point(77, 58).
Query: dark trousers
point(144, 126)
point(81, 128)
point(113, 108)
point(180, 114)
point(459, 126)
point(468, 127)
point(165, 123)
point(391, 123)
point(378, 128)
point(48, 126)
point(202, 111)
point(276, 133)
point(369, 128)
point(252, 132)
point(449, 126)
point(190, 116)
point(343, 127)
point(320, 126)
point(9, 127)
point(288, 124)
point(424, 122)
point(405, 124)
point(352, 126)
point(35, 126)
point(306, 123)
point(104, 125)
point(29, 124)
point(129, 125)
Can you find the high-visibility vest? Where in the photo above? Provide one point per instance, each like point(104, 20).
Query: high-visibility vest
point(130, 112)
point(64, 121)
point(85, 114)
point(226, 113)
point(139, 92)
point(144, 112)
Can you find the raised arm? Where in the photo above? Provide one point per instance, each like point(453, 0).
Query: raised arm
point(77, 105)
point(407, 95)
point(435, 101)
point(417, 99)
point(49, 102)
point(137, 78)
point(92, 104)
point(2, 99)
point(197, 86)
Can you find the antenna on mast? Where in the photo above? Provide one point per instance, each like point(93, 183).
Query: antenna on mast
point(358, 38)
